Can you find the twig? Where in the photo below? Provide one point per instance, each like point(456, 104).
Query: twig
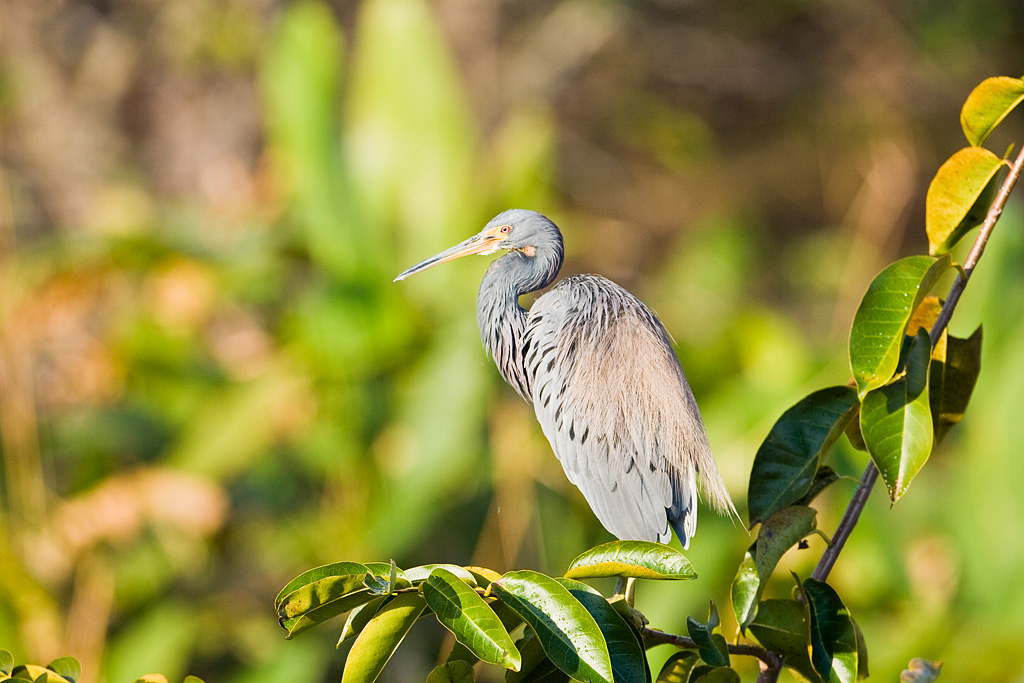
point(852, 514)
point(770, 661)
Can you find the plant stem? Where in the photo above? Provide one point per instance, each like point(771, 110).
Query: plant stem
point(853, 510)
point(770, 660)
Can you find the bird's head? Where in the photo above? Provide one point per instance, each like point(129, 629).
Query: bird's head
point(515, 230)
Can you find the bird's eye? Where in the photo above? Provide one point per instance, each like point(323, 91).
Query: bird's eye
point(505, 229)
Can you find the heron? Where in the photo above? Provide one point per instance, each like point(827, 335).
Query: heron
point(599, 369)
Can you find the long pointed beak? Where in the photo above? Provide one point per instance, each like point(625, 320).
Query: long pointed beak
point(481, 243)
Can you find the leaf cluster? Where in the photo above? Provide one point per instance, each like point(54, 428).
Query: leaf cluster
point(60, 670)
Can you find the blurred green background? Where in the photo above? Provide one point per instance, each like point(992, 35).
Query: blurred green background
point(209, 383)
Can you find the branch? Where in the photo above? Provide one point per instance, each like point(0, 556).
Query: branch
point(852, 514)
point(770, 662)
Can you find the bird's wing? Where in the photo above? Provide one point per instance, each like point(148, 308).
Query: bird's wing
point(612, 399)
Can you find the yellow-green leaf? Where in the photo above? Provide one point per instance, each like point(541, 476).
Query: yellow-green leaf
point(959, 196)
point(636, 559)
point(381, 637)
point(988, 104)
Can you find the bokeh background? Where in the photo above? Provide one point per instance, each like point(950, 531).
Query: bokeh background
point(209, 383)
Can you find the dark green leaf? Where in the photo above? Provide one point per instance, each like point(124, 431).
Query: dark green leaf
point(951, 381)
point(463, 612)
point(790, 455)
point(537, 668)
point(711, 646)
point(825, 477)
point(896, 422)
point(833, 637)
point(381, 637)
point(988, 104)
point(629, 663)
point(637, 559)
point(778, 534)
point(67, 667)
point(959, 196)
point(456, 671)
point(862, 652)
point(921, 671)
point(569, 635)
point(781, 626)
point(880, 321)
point(678, 667)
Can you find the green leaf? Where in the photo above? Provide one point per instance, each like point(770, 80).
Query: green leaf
point(718, 675)
point(456, 671)
point(537, 668)
point(921, 671)
point(151, 678)
point(951, 381)
point(418, 575)
point(862, 652)
point(6, 662)
point(959, 196)
point(325, 592)
point(747, 587)
point(381, 637)
point(833, 637)
point(338, 570)
point(37, 674)
point(636, 559)
point(885, 310)
point(896, 421)
point(67, 667)
point(678, 667)
point(711, 646)
point(777, 534)
point(359, 617)
point(786, 463)
point(781, 626)
point(482, 575)
point(988, 104)
point(569, 635)
point(463, 612)
point(629, 663)
point(825, 477)
point(192, 679)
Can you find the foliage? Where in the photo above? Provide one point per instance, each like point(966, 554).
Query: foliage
point(60, 670)
point(900, 373)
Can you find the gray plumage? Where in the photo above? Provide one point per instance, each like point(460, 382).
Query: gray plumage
point(599, 369)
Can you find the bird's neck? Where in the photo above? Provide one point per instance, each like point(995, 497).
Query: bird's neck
point(502, 320)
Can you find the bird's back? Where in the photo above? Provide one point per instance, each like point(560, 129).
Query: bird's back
point(613, 401)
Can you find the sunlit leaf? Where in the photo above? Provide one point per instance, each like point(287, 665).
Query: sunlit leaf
point(921, 671)
point(638, 559)
point(456, 671)
point(951, 381)
point(359, 617)
point(67, 667)
point(746, 589)
point(629, 663)
point(959, 196)
point(569, 635)
point(718, 675)
point(417, 575)
point(678, 667)
point(988, 104)
point(896, 421)
point(883, 315)
point(482, 575)
point(785, 464)
point(711, 646)
point(381, 637)
point(463, 612)
point(192, 679)
point(833, 638)
point(323, 593)
point(37, 674)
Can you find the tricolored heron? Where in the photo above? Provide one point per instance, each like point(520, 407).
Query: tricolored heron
point(599, 369)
